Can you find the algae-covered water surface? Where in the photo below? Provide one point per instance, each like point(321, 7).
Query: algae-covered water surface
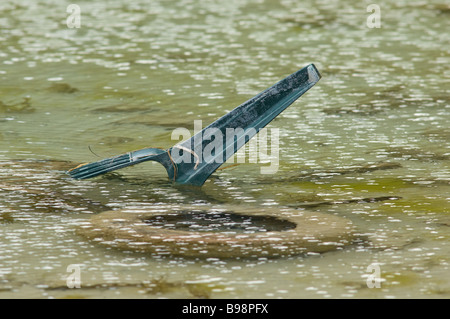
point(370, 143)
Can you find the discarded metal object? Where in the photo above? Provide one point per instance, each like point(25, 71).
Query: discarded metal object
point(186, 162)
point(220, 232)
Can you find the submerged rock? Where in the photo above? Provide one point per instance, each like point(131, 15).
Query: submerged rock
point(231, 232)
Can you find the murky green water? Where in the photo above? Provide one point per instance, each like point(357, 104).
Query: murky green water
point(134, 71)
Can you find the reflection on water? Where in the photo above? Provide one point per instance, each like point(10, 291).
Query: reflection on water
point(375, 126)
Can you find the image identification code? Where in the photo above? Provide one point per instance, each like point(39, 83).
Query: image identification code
point(231, 308)
point(247, 308)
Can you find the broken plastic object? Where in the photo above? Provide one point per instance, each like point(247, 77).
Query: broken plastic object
point(184, 161)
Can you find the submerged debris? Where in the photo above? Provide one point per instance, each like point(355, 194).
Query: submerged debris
point(23, 188)
point(116, 140)
point(365, 109)
point(119, 108)
point(62, 88)
point(6, 217)
point(21, 107)
point(442, 221)
point(307, 20)
point(155, 286)
point(357, 169)
point(373, 103)
point(347, 201)
point(412, 153)
point(440, 8)
point(437, 135)
point(161, 119)
point(392, 241)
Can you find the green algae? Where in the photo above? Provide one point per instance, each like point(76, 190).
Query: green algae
point(404, 278)
point(418, 205)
